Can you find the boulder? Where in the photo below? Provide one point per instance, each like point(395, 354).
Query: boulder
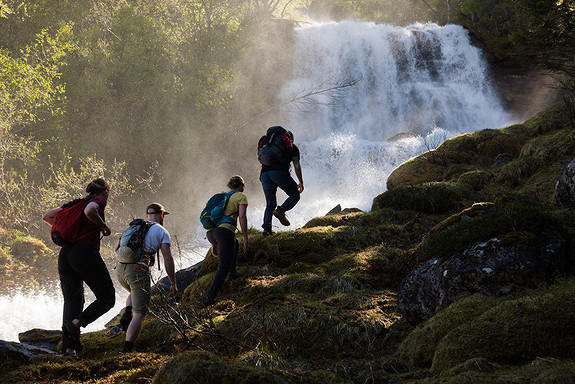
point(41, 338)
point(184, 277)
point(334, 210)
point(13, 354)
point(10, 356)
point(502, 160)
point(565, 186)
point(496, 267)
point(337, 209)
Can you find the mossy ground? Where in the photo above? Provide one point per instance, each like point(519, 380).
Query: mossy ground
point(319, 305)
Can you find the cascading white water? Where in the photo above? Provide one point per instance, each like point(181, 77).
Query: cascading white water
point(424, 81)
point(370, 82)
point(42, 309)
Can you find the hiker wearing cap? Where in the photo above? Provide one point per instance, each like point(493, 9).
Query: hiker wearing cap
point(81, 262)
point(276, 152)
point(225, 246)
point(134, 275)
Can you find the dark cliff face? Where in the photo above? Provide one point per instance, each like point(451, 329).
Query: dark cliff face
point(524, 91)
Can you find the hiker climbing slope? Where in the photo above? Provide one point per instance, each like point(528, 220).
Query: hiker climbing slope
point(222, 233)
point(136, 251)
point(276, 152)
point(79, 261)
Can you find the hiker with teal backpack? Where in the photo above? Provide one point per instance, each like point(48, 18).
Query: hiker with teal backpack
point(276, 152)
point(76, 227)
point(136, 252)
point(220, 218)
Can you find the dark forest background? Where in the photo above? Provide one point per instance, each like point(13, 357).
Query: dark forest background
point(167, 98)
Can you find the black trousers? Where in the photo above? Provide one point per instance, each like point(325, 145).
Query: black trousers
point(227, 244)
point(77, 264)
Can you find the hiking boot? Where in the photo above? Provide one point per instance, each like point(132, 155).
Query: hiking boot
point(209, 302)
point(267, 229)
point(281, 216)
point(73, 334)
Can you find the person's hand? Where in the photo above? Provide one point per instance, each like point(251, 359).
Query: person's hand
point(106, 231)
point(173, 289)
point(214, 251)
point(246, 247)
point(300, 187)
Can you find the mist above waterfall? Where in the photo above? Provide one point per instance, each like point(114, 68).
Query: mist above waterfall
point(378, 95)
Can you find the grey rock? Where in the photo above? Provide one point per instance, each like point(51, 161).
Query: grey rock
point(334, 210)
point(41, 338)
point(184, 277)
point(565, 186)
point(502, 160)
point(490, 268)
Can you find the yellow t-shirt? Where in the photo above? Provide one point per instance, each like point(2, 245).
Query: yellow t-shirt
point(232, 209)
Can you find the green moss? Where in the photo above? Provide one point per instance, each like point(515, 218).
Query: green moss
point(536, 325)
point(475, 179)
point(552, 118)
point(530, 221)
point(204, 367)
point(428, 197)
point(419, 347)
point(458, 155)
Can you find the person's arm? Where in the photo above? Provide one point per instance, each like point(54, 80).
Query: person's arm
point(169, 265)
point(297, 169)
point(117, 246)
point(49, 216)
point(243, 219)
point(93, 214)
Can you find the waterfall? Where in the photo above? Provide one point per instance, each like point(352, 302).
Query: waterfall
point(377, 96)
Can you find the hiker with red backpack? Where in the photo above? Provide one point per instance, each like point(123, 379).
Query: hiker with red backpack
point(76, 226)
point(276, 151)
point(220, 218)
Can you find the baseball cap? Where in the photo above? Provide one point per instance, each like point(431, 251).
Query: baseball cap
point(156, 208)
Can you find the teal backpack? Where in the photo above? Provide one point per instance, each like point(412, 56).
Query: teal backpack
point(213, 213)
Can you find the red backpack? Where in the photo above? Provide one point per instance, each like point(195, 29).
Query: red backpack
point(66, 224)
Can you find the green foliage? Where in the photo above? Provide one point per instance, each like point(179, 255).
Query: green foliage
point(29, 93)
point(547, 33)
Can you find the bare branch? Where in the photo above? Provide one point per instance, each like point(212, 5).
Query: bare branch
point(305, 96)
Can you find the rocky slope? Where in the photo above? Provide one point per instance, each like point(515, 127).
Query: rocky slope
point(320, 304)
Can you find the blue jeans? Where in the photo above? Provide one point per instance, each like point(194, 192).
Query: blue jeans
point(271, 180)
